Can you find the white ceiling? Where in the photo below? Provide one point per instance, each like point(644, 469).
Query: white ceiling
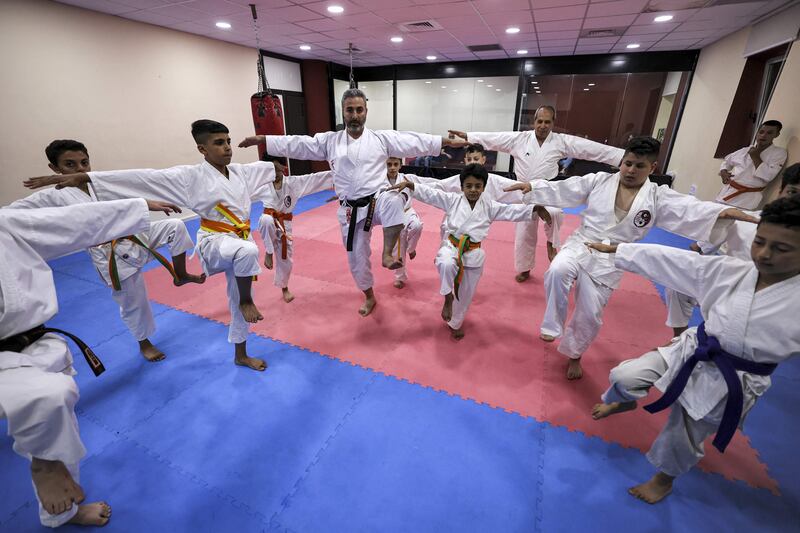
point(547, 27)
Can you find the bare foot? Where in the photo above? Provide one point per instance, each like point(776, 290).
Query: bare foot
point(551, 251)
point(398, 284)
point(602, 410)
point(546, 338)
point(92, 514)
point(447, 308)
point(457, 334)
point(251, 362)
point(654, 490)
point(287, 296)
point(412, 255)
point(54, 484)
point(391, 262)
point(523, 276)
point(268, 261)
point(369, 305)
point(250, 312)
point(574, 370)
point(183, 279)
point(150, 352)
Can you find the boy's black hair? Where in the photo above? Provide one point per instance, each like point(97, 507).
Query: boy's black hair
point(204, 127)
point(476, 171)
point(273, 158)
point(59, 146)
point(475, 147)
point(783, 211)
point(644, 146)
point(791, 176)
point(773, 123)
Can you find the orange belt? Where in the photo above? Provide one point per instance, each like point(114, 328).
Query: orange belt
point(236, 226)
point(740, 189)
point(113, 272)
point(463, 245)
point(278, 218)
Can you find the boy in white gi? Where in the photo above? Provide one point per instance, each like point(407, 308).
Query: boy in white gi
point(736, 242)
point(412, 225)
point(357, 157)
point(220, 192)
point(750, 327)
point(536, 155)
point(122, 272)
point(275, 224)
point(460, 258)
point(746, 172)
point(620, 207)
point(37, 390)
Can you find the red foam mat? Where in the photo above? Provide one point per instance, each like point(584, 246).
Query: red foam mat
point(500, 362)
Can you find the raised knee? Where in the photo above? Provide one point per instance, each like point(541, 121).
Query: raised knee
point(57, 392)
point(247, 250)
point(620, 376)
point(266, 220)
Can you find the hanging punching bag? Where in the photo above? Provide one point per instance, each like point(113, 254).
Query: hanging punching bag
point(266, 107)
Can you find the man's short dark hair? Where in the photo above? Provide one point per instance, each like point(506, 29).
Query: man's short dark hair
point(354, 93)
point(475, 148)
point(644, 147)
point(476, 171)
point(546, 108)
point(783, 211)
point(59, 146)
point(791, 176)
point(201, 129)
point(774, 123)
point(269, 158)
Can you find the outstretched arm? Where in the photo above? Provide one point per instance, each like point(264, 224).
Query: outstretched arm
point(580, 148)
point(295, 146)
point(502, 141)
point(570, 192)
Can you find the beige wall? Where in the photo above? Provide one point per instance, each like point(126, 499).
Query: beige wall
point(128, 90)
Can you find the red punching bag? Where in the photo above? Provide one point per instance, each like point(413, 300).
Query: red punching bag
point(266, 107)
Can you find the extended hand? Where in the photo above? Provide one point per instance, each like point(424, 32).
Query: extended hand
point(600, 247)
point(253, 140)
point(165, 207)
point(737, 214)
point(453, 143)
point(543, 214)
point(452, 134)
point(524, 186)
point(59, 180)
point(402, 185)
point(725, 175)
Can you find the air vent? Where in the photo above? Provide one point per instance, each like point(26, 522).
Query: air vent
point(607, 32)
point(417, 26)
point(484, 48)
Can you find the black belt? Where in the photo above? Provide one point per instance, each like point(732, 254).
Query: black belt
point(354, 205)
point(20, 341)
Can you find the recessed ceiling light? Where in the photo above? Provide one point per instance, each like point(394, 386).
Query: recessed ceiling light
point(450, 70)
point(498, 90)
point(305, 47)
point(663, 18)
point(522, 52)
point(430, 58)
point(618, 62)
point(428, 82)
point(490, 85)
point(590, 84)
point(480, 81)
point(455, 90)
point(444, 86)
point(633, 45)
point(396, 39)
point(223, 25)
point(335, 9)
point(585, 88)
point(512, 29)
point(535, 82)
point(538, 92)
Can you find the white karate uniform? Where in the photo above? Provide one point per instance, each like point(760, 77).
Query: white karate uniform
point(134, 307)
point(200, 188)
point(37, 391)
point(359, 170)
point(284, 201)
point(412, 231)
point(744, 173)
point(594, 272)
point(737, 241)
point(540, 162)
point(461, 219)
point(757, 326)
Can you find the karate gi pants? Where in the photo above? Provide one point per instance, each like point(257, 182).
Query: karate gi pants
point(271, 234)
point(679, 446)
point(237, 258)
point(409, 238)
point(679, 308)
point(527, 234)
point(590, 300)
point(388, 212)
point(134, 307)
point(40, 408)
point(446, 264)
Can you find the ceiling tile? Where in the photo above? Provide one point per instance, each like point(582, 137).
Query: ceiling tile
point(703, 25)
point(650, 29)
point(322, 7)
point(550, 35)
point(293, 14)
point(493, 6)
point(677, 16)
point(349, 33)
point(325, 24)
point(620, 7)
point(558, 13)
point(403, 14)
point(217, 8)
point(454, 9)
point(597, 40)
point(556, 51)
point(678, 42)
point(508, 18)
point(523, 29)
point(260, 4)
point(727, 11)
point(463, 21)
point(618, 21)
point(542, 4)
point(675, 35)
point(558, 25)
point(312, 37)
point(178, 12)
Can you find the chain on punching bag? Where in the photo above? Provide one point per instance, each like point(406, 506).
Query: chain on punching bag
point(266, 106)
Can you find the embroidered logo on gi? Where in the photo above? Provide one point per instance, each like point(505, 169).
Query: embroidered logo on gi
point(287, 201)
point(642, 218)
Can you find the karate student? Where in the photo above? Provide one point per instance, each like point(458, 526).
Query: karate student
point(275, 225)
point(736, 242)
point(124, 274)
point(536, 155)
point(220, 192)
point(620, 207)
point(37, 390)
point(460, 258)
point(750, 327)
point(412, 225)
point(746, 172)
point(357, 156)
